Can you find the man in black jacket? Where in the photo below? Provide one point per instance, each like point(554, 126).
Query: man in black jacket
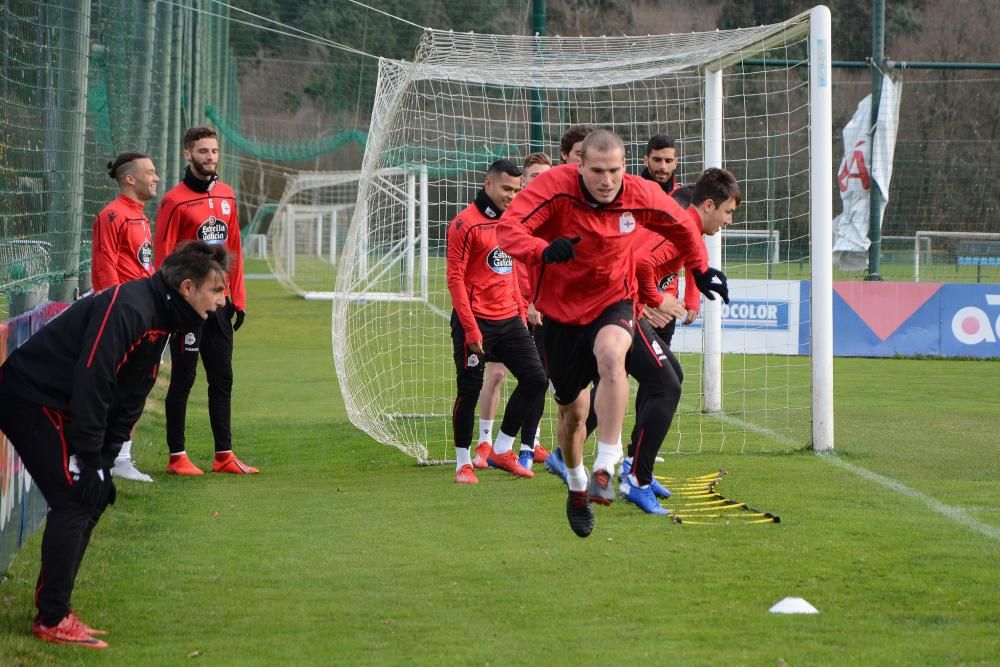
point(73, 391)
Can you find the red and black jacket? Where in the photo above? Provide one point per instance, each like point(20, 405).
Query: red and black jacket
point(206, 211)
point(481, 276)
point(123, 244)
point(96, 362)
point(658, 263)
point(603, 272)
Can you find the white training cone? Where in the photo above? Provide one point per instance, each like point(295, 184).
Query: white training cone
point(793, 606)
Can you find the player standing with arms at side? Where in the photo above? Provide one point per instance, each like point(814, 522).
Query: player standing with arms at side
point(123, 251)
point(202, 207)
point(71, 393)
point(578, 222)
point(487, 322)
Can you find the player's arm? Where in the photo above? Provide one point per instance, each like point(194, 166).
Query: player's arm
point(692, 300)
point(457, 263)
point(515, 231)
point(647, 259)
point(107, 337)
point(236, 286)
point(167, 228)
point(104, 257)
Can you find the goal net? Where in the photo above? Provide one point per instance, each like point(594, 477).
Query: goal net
point(755, 101)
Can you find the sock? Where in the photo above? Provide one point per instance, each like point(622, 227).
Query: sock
point(485, 430)
point(504, 443)
point(222, 456)
point(628, 460)
point(576, 478)
point(462, 458)
point(634, 481)
point(607, 456)
point(125, 453)
point(177, 455)
point(538, 434)
point(525, 447)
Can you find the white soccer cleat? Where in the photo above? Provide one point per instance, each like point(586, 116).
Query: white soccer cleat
point(125, 469)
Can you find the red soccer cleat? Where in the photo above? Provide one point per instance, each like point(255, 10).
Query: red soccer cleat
point(68, 631)
point(483, 452)
point(466, 475)
point(541, 454)
point(86, 628)
point(508, 462)
point(180, 464)
point(228, 463)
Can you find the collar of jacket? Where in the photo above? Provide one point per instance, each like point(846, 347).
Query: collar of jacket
point(197, 184)
point(593, 202)
point(180, 315)
point(486, 205)
point(668, 187)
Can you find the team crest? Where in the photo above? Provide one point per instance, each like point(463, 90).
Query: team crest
point(145, 255)
point(499, 261)
point(472, 361)
point(626, 223)
point(189, 339)
point(226, 208)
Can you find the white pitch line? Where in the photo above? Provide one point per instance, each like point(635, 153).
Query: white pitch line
point(955, 514)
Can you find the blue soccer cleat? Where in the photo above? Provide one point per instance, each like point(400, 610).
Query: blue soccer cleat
point(625, 469)
point(642, 498)
point(526, 457)
point(555, 465)
point(659, 490)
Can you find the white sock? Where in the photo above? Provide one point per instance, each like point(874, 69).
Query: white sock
point(538, 434)
point(503, 444)
point(485, 430)
point(634, 481)
point(527, 448)
point(628, 460)
point(462, 458)
point(577, 478)
point(125, 453)
point(607, 457)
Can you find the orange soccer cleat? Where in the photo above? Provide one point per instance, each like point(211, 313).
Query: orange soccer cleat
point(508, 462)
point(483, 452)
point(68, 631)
point(541, 454)
point(466, 475)
point(180, 464)
point(228, 463)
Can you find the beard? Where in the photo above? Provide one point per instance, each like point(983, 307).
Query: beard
point(201, 171)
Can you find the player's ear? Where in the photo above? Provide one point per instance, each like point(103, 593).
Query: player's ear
point(186, 288)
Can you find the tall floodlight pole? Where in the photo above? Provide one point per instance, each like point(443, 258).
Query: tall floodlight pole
point(538, 29)
point(874, 194)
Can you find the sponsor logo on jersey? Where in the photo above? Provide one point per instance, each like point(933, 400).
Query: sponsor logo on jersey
point(213, 230)
point(145, 255)
point(666, 281)
point(226, 208)
point(626, 223)
point(499, 261)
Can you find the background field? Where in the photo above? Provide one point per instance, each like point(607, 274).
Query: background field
point(343, 551)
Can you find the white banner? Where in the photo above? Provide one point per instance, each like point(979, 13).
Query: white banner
point(857, 174)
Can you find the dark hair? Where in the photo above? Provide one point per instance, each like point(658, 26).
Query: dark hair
point(195, 133)
point(536, 158)
point(572, 135)
point(123, 159)
point(659, 142)
point(196, 260)
point(602, 140)
point(503, 166)
point(718, 185)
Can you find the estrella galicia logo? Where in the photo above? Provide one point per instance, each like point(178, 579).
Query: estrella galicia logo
point(213, 230)
point(145, 255)
point(666, 281)
point(499, 261)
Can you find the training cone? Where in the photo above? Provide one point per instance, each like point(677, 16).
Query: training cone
point(793, 606)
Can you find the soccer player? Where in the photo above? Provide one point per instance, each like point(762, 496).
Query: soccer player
point(571, 143)
point(71, 393)
point(489, 398)
point(123, 251)
point(487, 322)
point(204, 208)
point(578, 222)
point(714, 200)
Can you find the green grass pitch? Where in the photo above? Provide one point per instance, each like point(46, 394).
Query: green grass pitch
point(344, 552)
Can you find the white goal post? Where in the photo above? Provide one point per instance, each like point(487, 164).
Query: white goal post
point(727, 97)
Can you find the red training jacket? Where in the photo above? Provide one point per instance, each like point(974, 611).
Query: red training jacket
point(480, 275)
point(658, 262)
point(123, 244)
point(206, 216)
point(603, 272)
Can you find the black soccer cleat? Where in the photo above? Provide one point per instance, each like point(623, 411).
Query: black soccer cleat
point(580, 513)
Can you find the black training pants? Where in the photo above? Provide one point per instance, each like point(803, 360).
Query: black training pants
point(38, 436)
point(214, 344)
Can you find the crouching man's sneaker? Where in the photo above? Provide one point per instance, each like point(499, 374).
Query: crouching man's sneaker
point(68, 631)
point(125, 469)
point(228, 463)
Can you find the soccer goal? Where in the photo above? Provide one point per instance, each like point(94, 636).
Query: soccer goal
point(956, 256)
point(309, 229)
point(756, 101)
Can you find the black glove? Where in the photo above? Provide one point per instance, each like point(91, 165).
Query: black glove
point(560, 250)
point(112, 491)
point(710, 281)
point(240, 316)
point(91, 486)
